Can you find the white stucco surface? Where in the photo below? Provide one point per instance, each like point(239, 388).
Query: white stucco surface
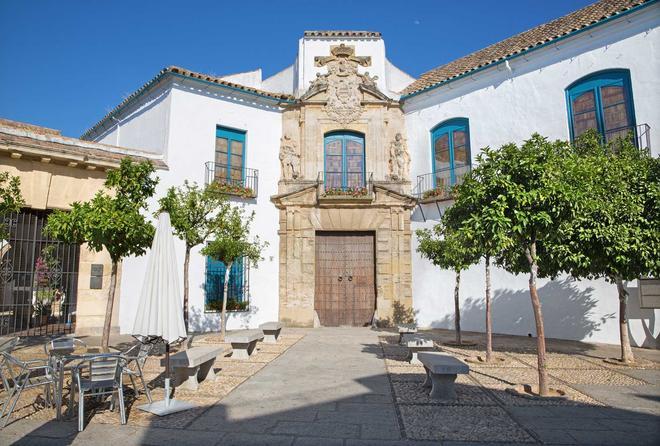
point(509, 105)
point(178, 118)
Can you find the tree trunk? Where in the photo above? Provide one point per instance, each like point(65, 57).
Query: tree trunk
point(538, 318)
point(626, 351)
point(105, 340)
point(489, 321)
point(457, 309)
point(223, 328)
point(186, 285)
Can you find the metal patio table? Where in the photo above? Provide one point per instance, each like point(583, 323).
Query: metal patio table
point(64, 360)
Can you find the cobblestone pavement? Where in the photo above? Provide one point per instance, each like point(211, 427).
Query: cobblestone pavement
point(353, 387)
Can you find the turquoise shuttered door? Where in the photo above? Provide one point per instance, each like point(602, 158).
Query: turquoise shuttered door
point(344, 160)
point(451, 151)
point(601, 101)
point(215, 281)
point(229, 156)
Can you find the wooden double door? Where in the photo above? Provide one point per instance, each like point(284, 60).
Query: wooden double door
point(345, 291)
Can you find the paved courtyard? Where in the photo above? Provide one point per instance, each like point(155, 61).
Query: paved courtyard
point(353, 387)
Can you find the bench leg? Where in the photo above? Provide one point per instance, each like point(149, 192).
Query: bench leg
point(427, 379)
point(186, 377)
point(443, 387)
point(270, 336)
point(206, 370)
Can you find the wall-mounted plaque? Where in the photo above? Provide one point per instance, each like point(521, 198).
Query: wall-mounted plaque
point(649, 293)
point(96, 277)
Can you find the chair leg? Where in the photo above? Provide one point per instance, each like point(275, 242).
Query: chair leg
point(81, 411)
point(122, 410)
point(47, 395)
point(135, 387)
point(146, 389)
point(13, 403)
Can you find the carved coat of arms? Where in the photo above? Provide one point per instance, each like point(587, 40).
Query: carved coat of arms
point(342, 83)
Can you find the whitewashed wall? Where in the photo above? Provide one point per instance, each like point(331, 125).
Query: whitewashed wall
point(194, 112)
point(390, 78)
point(504, 106)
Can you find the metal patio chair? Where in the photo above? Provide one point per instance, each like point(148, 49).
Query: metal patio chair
point(7, 344)
point(27, 375)
point(63, 345)
point(137, 355)
point(97, 376)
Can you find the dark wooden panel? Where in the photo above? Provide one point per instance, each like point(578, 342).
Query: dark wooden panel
point(345, 292)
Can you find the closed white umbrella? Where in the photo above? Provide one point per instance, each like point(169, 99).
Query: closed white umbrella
point(159, 314)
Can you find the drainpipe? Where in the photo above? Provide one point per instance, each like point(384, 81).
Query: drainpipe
point(118, 128)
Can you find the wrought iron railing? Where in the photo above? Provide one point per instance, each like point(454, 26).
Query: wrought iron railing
point(438, 185)
point(356, 185)
point(641, 135)
point(242, 182)
point(38, 278)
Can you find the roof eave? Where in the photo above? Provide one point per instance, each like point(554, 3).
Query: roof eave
point(526, 51)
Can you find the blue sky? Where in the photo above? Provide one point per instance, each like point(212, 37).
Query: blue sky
point(65, 63)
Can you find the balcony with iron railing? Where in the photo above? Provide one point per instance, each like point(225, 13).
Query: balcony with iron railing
point(352, 187)
point(438, 185)
point(640, 135)
point(236, 181)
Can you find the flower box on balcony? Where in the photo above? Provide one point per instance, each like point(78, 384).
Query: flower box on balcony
point(437, 194)
point(235, 189)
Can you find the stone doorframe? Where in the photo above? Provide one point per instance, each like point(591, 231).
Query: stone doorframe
point(303, 213)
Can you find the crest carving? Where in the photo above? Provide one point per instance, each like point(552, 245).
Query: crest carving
point(343, 83)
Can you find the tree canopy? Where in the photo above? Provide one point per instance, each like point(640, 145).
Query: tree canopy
point(115, 219)
point(11, 199)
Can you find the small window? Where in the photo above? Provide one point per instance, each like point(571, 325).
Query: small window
point(344, 160)
point(229, 155)
point(237, 293)
point(451, 152)
point(601, 101)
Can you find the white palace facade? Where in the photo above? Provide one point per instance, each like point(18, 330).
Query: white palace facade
point(342, 155)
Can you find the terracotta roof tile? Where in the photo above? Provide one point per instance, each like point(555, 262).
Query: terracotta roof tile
point(187, 73)
point(21, 137)
point(343, 33)
point(534, 37)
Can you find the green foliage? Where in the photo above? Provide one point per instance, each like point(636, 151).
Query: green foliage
point(615, 227)
point(114, 219)
point(528, 202)
point(11, 199)
point(231, 237)
point(232, 305)
point(446, 248)
point(193, 211)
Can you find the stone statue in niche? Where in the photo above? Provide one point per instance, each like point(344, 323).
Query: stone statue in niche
point(399, 159)
point(290, 158)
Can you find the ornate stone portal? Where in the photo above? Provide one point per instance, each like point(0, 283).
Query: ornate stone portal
point(343, 99)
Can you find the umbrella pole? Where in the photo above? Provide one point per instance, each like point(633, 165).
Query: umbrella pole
point(167, 374)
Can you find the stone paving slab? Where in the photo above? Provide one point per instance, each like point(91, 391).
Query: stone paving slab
point(445, 422)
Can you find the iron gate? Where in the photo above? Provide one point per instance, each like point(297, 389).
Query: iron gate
point(38, 278)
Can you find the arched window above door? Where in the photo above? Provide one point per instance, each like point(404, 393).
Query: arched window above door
point(344, 164)
point(601, 101)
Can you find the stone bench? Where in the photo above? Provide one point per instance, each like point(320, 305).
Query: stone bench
point(416, 344)
point(243, 342)
point(194, 365)
point(271, 331)
point(406, 329)
point(441, 371)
